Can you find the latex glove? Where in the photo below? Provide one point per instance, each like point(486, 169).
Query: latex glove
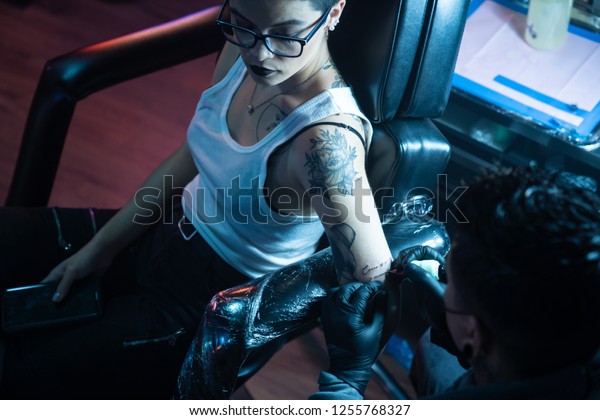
point(430, 295)
point(353, 318)
point(421, 253)
point(430, 292)
point(428, 289)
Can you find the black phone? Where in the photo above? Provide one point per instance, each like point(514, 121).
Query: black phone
point(31, 307)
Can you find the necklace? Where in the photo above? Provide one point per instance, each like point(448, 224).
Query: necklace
point(251, 108)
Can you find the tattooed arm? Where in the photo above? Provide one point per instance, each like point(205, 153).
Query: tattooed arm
point(334, 176)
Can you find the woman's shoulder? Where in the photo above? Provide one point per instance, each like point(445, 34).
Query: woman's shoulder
point(327, 150)
point(341, 129)
point(342, 132)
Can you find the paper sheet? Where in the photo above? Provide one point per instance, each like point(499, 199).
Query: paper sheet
point(560, 87)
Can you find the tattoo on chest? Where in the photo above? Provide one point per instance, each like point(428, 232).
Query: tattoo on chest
point(331, 163)
point(279, 116)
point(270, 118)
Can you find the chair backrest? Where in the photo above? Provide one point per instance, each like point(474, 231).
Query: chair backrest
point(398, 55)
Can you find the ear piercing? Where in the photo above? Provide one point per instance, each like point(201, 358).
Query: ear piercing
point(334, 24)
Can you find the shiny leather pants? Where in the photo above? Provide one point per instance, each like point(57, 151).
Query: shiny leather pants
point(240, 323)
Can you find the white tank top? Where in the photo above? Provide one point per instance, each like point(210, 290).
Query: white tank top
point(225, 201)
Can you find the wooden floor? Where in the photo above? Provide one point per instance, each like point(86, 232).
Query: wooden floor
point(119, 135)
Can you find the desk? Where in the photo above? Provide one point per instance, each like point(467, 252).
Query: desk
point(512, 104)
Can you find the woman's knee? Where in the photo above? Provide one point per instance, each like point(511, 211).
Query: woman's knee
point(229, 307)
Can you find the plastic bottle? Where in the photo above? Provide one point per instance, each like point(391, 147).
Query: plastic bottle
point(547, 23)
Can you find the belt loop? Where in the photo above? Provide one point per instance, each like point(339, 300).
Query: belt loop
point(62, 243)
point(180, 226)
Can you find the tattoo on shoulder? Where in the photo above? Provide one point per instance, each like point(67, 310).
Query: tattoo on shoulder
point(331, 163)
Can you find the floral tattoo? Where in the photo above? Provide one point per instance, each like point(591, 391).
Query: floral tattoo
point(338, 82)
point(331, 163)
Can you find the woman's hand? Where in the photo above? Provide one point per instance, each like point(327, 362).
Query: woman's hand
point(87, 261)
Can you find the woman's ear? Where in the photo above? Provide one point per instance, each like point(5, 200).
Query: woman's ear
point(335, 14)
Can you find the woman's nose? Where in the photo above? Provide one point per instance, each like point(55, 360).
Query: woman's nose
point(261, 51)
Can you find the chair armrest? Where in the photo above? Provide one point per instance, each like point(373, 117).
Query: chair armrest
point(71, 77)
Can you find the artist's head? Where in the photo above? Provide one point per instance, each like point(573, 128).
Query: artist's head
point(524, 271)
point(274, 60)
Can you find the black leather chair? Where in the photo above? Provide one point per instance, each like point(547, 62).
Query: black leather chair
point(398, 55)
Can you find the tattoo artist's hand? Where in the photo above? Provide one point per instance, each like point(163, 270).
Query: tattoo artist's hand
point(429, 291)
point(353, 338)
point(421, 253)
point(430, 295)
point(87, 261)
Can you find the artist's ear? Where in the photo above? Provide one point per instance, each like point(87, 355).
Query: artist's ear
point(473, 343)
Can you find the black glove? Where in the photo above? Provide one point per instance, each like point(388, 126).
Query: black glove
point(353, 317)
point(430, 295)
point(420, 253)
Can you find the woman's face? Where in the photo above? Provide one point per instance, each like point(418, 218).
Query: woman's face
point(278, 17)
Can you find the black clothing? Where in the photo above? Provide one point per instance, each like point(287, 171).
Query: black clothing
point(154, 295)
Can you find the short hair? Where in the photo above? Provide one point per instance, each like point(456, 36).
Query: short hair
point(322, 5)
point(527, 264)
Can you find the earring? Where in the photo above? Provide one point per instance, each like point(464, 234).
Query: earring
point(334, 24)
point(332, 27)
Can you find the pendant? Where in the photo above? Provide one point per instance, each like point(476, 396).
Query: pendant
point(250, 109)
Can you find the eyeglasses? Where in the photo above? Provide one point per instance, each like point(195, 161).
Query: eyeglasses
point(284, 46)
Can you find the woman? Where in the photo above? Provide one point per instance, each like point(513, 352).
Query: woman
point(275, 156)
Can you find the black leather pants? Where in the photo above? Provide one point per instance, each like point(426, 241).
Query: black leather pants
point(241, 324)
point(153, 295)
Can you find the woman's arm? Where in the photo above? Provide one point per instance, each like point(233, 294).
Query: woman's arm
point(333, 171)
point(122, 229)
point(174, 173)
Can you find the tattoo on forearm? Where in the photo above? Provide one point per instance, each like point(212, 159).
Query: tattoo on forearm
point(343, 237)
point(375, 271)
point(331, 163)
